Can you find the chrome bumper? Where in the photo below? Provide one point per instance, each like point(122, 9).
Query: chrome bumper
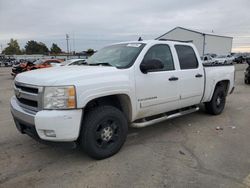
point(20, 114)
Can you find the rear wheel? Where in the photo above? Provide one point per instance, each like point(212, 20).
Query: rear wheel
point(104, 132)
point(218, 101)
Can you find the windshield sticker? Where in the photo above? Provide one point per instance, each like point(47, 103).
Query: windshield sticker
point(134, 45)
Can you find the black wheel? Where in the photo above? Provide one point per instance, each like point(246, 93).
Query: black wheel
point(104, 132)
point(218, 101)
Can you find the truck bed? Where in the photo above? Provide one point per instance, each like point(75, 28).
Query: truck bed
point(213, 74)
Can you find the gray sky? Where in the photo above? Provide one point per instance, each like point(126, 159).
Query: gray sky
point(93, 24)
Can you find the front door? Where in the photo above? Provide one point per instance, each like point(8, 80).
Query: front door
point(157, 91)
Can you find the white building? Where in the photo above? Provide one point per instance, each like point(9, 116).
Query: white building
point(204, 42)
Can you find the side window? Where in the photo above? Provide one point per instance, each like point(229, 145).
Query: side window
point(187, 57)
point(163, 53)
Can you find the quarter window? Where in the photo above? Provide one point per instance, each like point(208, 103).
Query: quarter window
point(187, 57)
point(163, 53)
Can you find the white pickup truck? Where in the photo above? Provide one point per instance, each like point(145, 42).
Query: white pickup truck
point(126, 84)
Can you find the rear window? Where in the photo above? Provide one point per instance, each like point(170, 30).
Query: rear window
point(187, 57)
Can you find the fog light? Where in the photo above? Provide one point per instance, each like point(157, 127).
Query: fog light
point(49, 133)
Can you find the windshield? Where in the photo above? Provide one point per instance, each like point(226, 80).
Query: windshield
point(119, 55)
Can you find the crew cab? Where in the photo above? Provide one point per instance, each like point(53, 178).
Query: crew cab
point(135, 84)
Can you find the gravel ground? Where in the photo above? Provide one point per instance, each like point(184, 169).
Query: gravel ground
point(183, 152)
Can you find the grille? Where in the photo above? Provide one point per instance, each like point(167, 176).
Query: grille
point(28, 102)
point(28, 96)
point(27, 89)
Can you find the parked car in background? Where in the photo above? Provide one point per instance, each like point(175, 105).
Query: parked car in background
point(239, 59)
point(223, 59)
point(207, 59)
point(39, 64)
point(8, 62)
point(230, 58)
point(74, 62)
point(126, 84)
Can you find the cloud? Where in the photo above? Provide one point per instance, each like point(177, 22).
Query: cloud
point(98, 23)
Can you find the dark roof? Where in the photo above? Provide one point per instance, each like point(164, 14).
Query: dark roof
point(202, 33)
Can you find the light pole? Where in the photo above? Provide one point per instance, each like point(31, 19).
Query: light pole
point(67, 39)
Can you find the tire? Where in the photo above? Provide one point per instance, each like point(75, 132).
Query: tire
point(218, 101)
point(104, 131)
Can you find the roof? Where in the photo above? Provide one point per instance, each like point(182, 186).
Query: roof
point(155, 41)
point(194, 31)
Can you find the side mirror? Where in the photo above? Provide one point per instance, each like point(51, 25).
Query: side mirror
point(151, 65)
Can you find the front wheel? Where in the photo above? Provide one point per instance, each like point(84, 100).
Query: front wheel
point(218, 101)
point(104, 132)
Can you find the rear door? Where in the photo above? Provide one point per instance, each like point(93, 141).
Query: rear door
point(191, 75)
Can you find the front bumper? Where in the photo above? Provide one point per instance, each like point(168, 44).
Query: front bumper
point(64, 123)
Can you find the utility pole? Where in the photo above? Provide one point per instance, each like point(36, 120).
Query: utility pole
point(67, 39)
point(74, 44)
point(1, 48)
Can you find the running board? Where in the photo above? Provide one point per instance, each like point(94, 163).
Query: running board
point(163, 118)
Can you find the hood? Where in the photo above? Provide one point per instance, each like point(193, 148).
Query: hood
point(65, 75)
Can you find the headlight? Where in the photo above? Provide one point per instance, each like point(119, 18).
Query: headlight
point(61, 97)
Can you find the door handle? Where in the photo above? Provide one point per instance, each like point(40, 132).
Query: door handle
point(173, 78)
point(198, 75)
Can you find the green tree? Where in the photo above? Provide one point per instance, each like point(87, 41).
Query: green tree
point(55, 49)
point(34, 47)
point(12, 48)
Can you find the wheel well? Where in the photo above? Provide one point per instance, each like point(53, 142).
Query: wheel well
point(120, 101)
point(223, 83)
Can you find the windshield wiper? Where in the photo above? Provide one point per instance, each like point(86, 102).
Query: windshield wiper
point(101, 63)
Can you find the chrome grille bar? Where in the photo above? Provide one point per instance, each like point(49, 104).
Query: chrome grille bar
point(29, 96)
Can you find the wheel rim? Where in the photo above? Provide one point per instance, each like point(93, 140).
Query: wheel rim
point(106, 134)
point(220, 100)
